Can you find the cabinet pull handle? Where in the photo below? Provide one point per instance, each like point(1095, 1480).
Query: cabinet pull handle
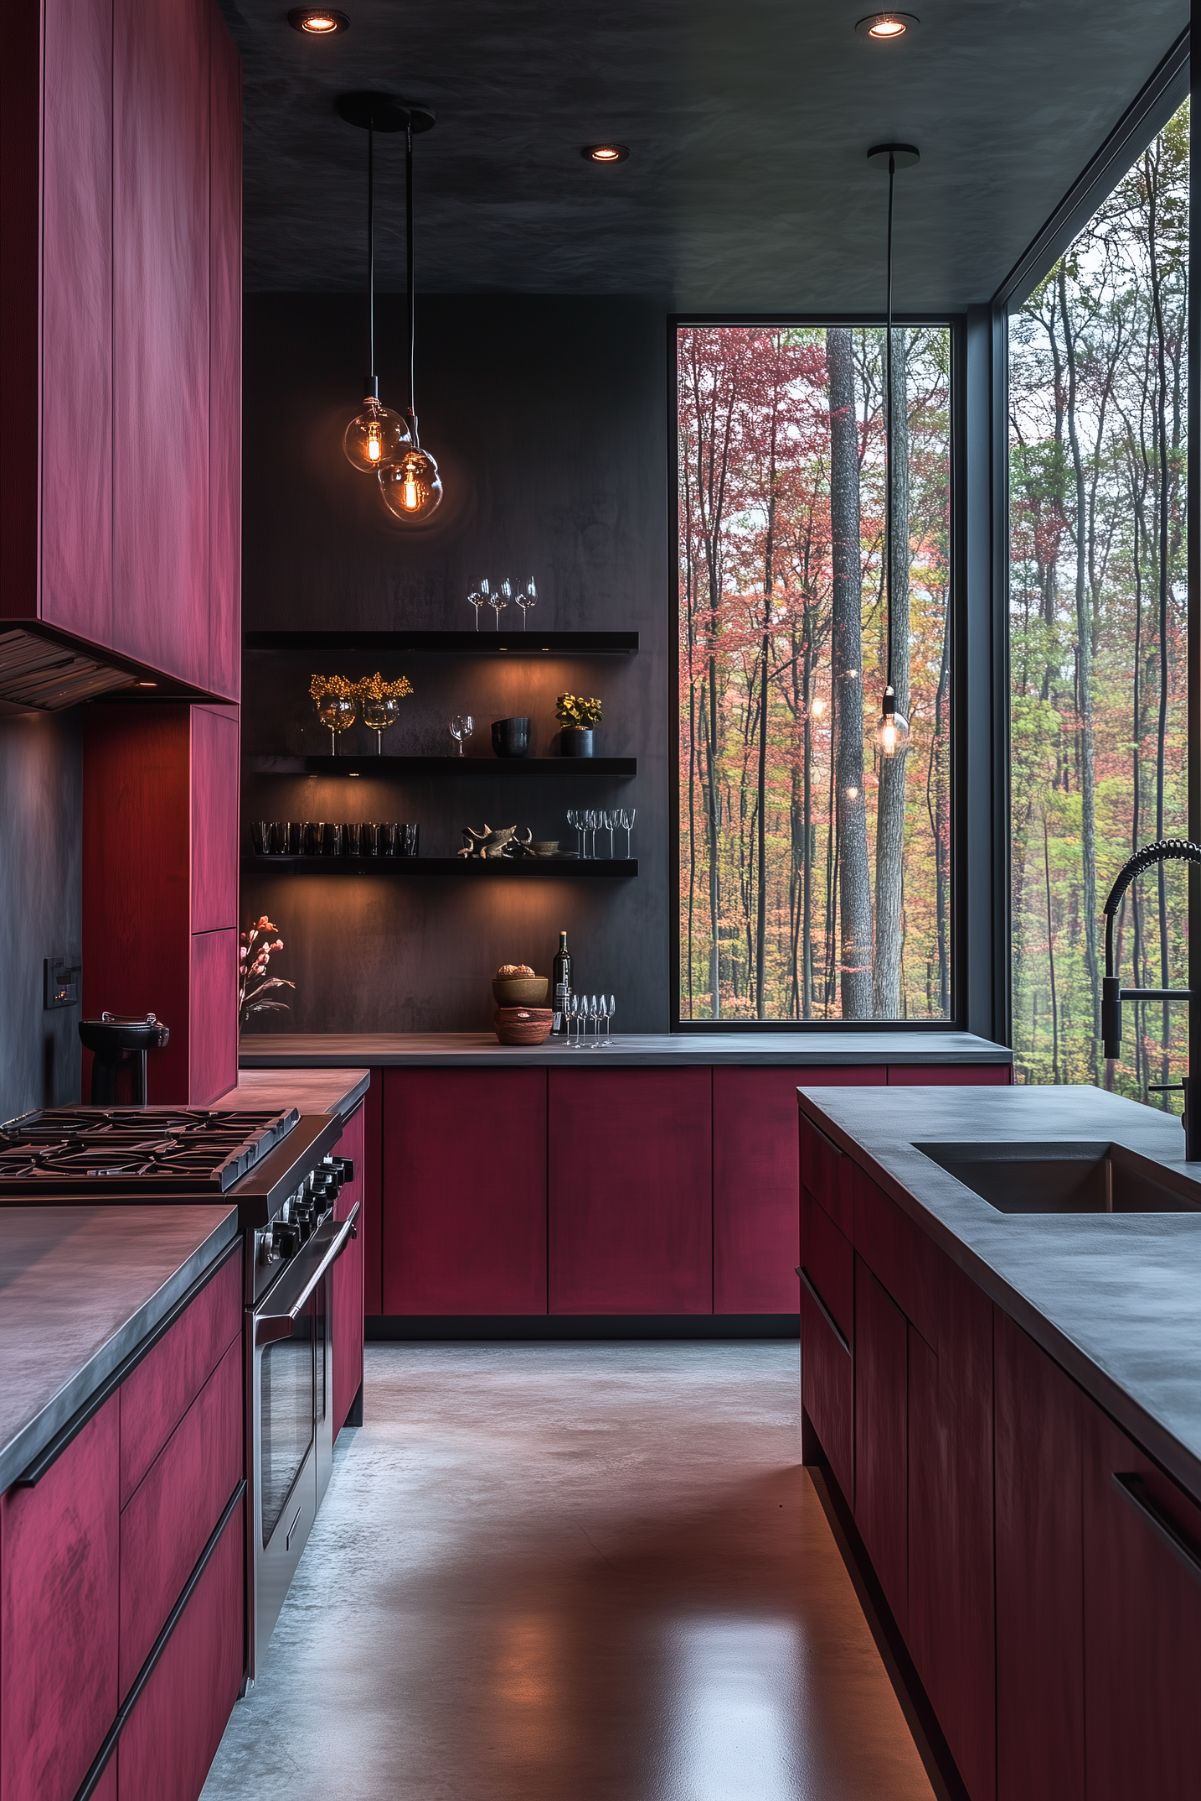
point(836, 1150)
point(1135, 1490)
point(815, 1297)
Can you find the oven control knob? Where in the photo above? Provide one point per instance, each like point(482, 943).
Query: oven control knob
point(286, 1238)
point(325, 1185)
point(343, 1168)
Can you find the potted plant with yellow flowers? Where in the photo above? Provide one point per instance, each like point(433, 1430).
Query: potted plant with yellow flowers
point(577, 715)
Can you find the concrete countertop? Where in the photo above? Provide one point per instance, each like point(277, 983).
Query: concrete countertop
point(80, 1288)
point(1115, 1299)
point(335, 1090)
point(466, 1050)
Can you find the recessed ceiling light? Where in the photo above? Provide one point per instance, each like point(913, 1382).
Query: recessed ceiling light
point(145, 684)
point(605, 153)
point(884, 27)
point(318, 21)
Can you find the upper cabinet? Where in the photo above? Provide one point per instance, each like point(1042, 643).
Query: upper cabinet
point(120, 417)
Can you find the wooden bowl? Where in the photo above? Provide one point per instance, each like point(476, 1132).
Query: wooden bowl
point(523, 1025)
point(520, 991)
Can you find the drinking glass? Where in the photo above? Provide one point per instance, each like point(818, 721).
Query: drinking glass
point(593, 823)
point(573, 820)
point(570, 1009)
point(602, 1019)
point(476, 600)
point(260, 837)
point(461, 726)
point(626, 822)
point(608, 821)
point(498, 602)
point(609, 1012)
point(527, 601)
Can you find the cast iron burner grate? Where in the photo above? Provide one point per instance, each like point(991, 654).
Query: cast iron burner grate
point(166, 1150)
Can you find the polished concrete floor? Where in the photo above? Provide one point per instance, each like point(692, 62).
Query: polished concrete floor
point(572, 1573)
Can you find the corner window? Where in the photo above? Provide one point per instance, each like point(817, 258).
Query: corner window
point(815, 877)
point(1098, 626)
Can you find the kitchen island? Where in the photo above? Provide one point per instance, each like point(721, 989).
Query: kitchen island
point(1006, 1402)
point(650, 1185)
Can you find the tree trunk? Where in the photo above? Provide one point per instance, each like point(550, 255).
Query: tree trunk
point(890, 807)
point(847, 649)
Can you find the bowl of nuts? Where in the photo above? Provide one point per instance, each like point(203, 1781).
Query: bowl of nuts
point(516, 985)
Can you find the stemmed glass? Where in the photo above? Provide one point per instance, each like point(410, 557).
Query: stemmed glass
point(609, 821)
point(476, 600)
point(461, 726)
point(575, 820)
point(610, 1010)
point(626, 822)
point(498, 602)
point(591, 822)
point(527, 602)
point(334, 698)
point(572, 1010)
point(381, 704)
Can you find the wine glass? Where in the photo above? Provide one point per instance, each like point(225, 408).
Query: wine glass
point(608, 821)
point(498, 602)
point(381, 704)
point(335, 703)
point(626, 822)
point(609, 1012)
point(461, 727)
point(476, 600)
point(527, 601)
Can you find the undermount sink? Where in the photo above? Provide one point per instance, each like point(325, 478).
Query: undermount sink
point(1065, 1178)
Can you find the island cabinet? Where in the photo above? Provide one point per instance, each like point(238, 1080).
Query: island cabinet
point(827, 1275)
point(122, 1553)
point(464, 1191)
point(630, 1191)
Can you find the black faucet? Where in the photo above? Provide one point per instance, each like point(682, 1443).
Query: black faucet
point(1165, 850)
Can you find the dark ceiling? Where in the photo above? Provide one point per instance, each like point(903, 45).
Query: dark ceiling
point(746, 188)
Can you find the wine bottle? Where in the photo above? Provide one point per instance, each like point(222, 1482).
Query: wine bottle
point(561, 984)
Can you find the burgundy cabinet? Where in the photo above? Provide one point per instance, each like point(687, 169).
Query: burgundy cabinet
point(161, 884)
point(950, 1615)
point(1142, 1624)
point(225, 363)
point(630, 1191)
point(58, 1616)
point(755, 1176)
point(464, 1191)
point(77, 318)
point(827, 1300)
point(1039, 1573)
point(172, 1733)
point(161, 105)
point(950, 1075)
point(881, 1435)
point(348, 1274)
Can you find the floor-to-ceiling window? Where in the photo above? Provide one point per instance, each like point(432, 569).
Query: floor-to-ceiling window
point(1097, 618)
point(815, 877)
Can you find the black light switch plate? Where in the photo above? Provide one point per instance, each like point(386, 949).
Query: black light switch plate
point(61, 983)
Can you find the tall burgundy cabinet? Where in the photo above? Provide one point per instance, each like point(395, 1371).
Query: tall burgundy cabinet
point(120, 250)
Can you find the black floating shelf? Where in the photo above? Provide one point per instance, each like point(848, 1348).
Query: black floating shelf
point(370, 765)
point(464, 643)
point(570, 868)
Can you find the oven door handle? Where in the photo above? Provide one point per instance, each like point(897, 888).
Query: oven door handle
point(272, 1325)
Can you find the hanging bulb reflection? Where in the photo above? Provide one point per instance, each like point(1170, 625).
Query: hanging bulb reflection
point(818, 707)
point(375, 437)
point(892, 728)
point(411, 487)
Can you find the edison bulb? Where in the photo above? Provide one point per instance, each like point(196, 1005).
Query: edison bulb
point(892, 728)
point(375, 437)
point(818, 707)
point(411, 487)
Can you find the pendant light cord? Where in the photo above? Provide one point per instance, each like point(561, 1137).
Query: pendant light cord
point(888, 427)
point(409, 285)
point(371, 255)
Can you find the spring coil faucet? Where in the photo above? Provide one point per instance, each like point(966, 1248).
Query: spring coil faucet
point(1164, 850)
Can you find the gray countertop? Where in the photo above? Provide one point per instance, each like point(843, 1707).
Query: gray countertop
point(80, 1288)
point(337, 1090)
point(468, 1050)
point(1114, 1298)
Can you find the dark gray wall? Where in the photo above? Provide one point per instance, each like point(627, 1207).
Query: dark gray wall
point(549, 418)
point(40, 851)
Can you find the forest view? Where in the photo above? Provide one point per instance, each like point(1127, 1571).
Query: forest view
point(815, 876)
point(1097, 384)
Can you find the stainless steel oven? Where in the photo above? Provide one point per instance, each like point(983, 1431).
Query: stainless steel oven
point(289, 1367)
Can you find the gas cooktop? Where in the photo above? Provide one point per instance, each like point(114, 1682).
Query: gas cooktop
point(158, 1150)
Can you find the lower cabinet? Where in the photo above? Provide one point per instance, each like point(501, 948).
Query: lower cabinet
point(91, 1576)
point(630, 1191)
point(173, 1730)
point(827, 1276)
point(59, 1618)
point(348, 1273)
point(464, 1191)
point(1142, 1624)
point(882, 1436)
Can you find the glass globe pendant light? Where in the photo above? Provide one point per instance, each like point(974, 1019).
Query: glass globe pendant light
point(892, 727)
point(411, 486)
point(376, 436)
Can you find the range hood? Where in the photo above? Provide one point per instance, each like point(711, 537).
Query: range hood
point(50, 673)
